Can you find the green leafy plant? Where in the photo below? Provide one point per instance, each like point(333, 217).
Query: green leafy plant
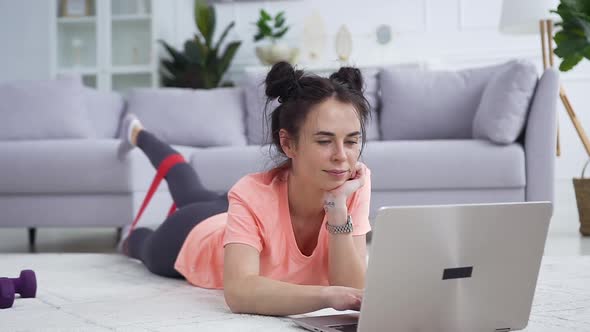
point(199, 65)
point(269, 27)
point(573, 38)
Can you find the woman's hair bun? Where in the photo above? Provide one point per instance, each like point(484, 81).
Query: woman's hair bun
point(282, 80)
point(349, 76)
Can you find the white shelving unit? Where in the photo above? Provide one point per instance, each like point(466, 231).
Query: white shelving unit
point(112, 48)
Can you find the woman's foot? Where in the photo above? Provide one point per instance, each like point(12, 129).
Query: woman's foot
point(123, 245)
point(130, 128)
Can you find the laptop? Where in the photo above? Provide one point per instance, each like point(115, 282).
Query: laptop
point(469, 267)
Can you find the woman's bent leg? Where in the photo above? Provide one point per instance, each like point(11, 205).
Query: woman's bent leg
point(183, 182)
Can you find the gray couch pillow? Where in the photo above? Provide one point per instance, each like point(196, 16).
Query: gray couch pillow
point(371, 78)
point(502, 111)
point(190, 117)
point(104, 111)
point(257, 127)
point(425, 104)
point(47, 109)
point(105, 108)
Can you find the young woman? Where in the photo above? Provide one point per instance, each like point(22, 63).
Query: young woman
point(287, 241)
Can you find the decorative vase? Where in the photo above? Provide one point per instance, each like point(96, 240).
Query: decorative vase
point(343, 44)
point(314, 36)
point(276, 52)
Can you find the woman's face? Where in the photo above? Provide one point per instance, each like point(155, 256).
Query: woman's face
point(329, 145)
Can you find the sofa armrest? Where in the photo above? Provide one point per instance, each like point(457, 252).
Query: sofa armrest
point(540, 139)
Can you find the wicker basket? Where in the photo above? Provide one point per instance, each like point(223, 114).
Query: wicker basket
point(582, 188)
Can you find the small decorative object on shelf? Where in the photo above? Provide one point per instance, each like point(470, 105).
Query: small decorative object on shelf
point(75, 8)
point(343, 44)
point(273, 29)
point(314, 36)
point(77, 45)
point(383, 34)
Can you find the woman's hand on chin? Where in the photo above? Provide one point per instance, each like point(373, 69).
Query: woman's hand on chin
point(335, 199)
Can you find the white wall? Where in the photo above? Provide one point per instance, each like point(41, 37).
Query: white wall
point(449, 33)
point(24, 52)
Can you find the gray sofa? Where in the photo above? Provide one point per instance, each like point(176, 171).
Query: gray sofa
point(421, 147)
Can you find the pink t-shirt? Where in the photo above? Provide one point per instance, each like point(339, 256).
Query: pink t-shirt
point(258, 215)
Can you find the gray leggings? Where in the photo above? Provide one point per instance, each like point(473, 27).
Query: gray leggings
point(158, 249)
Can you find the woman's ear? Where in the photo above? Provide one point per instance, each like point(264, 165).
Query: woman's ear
point(286, 143)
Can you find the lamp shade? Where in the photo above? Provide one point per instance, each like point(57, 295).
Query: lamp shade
point(522, 16)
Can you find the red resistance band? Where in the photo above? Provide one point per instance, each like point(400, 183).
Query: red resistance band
point(161, 172)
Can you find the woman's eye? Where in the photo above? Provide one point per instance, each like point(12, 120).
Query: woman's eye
point(328, 142)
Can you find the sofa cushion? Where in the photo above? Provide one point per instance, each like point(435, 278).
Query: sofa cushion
point(426, 104)
point(198, 118)
point(256, 126)
point(502, 111)
point(444, 164)
point(74, 167)
point(237, 162)
point(395, 165)
point(104, 111)
point(50, 109)
point(91, 166)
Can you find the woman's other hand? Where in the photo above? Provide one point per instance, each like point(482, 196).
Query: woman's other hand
point(343, 298)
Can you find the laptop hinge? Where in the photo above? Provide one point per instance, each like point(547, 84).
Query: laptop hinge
point(505, 329)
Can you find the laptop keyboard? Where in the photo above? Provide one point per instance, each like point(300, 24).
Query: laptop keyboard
point(345, 328)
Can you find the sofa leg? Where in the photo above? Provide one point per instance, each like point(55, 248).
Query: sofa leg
point(32, 238)
point(119, 234)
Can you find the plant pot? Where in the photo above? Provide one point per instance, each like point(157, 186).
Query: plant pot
point(582, 191)
point(277, 52)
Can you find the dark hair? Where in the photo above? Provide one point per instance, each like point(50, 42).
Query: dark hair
point(297, 92)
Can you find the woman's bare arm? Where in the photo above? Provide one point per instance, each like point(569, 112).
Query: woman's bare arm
point(247, 292)
point(346, 260)
point(347, 253)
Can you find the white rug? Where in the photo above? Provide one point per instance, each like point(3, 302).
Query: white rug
point(105, 292)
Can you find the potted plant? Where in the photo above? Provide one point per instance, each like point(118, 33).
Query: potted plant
point(201, 64)
point(573, 45)
point(573, 39)
point(273, 29)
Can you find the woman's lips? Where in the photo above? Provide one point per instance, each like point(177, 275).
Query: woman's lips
point(338, 174)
